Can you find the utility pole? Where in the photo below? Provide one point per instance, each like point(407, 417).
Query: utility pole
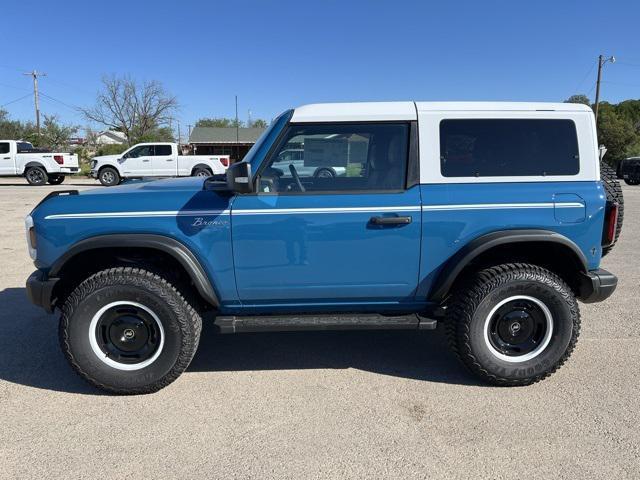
point(237, 132)
point(601, 61)
point(179, 138)
point(189, 127)
point(35, 74)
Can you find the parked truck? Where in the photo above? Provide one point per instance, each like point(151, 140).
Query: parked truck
point(488, 219)
point(155, 160)
point(20, 159)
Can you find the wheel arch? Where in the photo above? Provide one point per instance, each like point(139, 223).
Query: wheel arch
point(33, 163)
point(533, 246)
point(159, 250)
point(201, 166)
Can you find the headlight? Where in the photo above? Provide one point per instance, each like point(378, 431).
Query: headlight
point(93, 164)
point(31, 236)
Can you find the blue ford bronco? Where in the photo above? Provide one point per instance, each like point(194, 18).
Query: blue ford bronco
point(488, 218)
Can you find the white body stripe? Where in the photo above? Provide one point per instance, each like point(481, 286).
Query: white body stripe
point(282, 211)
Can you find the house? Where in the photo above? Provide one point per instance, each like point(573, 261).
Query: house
point(223, 141)
point(110, 137)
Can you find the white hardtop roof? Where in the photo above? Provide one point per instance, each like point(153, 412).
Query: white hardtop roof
point(363, 111)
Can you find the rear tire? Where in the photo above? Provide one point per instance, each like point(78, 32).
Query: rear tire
point(614, 194)
point(36, 176)
point(56, 179)
point(128, 331)
point(109, 177)
point(513, 324)
point(201, 172)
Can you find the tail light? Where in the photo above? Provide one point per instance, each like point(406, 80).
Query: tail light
point(610, 224)
point(59, 159)
point(224, 161)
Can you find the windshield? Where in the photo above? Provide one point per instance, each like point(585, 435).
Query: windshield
point(267, 138)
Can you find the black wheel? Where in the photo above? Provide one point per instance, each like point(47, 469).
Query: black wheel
point(513, 324)
point(324, 173)
point(201, 172)
point(56, 179)
point(614, 194)
point(128, 331)
point(109, 177)
point(36, 176)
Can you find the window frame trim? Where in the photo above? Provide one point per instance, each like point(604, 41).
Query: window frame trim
point(516, 119)
point(413, 149)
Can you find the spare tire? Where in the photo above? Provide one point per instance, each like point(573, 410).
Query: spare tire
point(614, 194)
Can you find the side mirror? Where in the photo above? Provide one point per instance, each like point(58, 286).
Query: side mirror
point(239, 178)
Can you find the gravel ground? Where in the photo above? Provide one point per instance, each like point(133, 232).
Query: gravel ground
point(319, 405)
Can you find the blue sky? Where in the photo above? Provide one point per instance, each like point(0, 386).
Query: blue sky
point(278, 54)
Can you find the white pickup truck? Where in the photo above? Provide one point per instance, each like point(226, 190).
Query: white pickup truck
point(155, 160)
point(21, 159)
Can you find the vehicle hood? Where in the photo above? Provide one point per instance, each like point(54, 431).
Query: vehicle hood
point(107, 158)
point(168, 199)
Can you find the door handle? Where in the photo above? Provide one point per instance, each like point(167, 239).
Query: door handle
point(6, 158)
point(390, 220)
point(145, 160)
point(170, 160)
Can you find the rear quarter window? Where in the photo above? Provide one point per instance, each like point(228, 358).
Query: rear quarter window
point(508, 147)
point(161, 150)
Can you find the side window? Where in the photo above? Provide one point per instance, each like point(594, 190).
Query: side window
point(4, 148)
point(141, 151)
point(162, 150)
point(508, 147)
point(338, 157)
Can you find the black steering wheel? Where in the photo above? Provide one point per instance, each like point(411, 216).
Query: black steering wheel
point(296, 177)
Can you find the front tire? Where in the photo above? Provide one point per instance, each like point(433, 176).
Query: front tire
point(36, 176)
point(128, 331)
point(513, 324)
point(56, 179)
point(109, 177)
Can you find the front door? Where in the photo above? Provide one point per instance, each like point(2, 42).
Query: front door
point(138, 161)
point(333, 224)
point(7, 166)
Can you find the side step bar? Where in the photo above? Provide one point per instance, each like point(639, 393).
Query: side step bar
point(285, 323)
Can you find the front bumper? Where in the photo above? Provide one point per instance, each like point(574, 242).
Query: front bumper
point(597, 285)
point(93, 173)
point(40, 290)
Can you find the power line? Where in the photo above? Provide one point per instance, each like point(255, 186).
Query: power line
point(16, 100)
point(72, 107)
point(585, 77)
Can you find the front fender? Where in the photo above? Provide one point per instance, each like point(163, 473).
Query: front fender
point(173, 247)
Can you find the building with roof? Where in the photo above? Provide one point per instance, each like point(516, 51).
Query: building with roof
point(224, 141)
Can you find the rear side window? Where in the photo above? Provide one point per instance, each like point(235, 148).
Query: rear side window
point(508, 147)
point(4, 148)
point(162, 150)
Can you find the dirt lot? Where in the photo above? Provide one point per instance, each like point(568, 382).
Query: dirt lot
point(319, 405)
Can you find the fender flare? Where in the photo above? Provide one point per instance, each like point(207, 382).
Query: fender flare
point(173, 247)
point(33, 163)
point(462, 258)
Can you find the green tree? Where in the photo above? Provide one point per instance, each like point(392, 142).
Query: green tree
point(259, 123)
point(615, 132)
point(219, 122)
point(13, 129)
point(583, 99)
point(53, 134)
